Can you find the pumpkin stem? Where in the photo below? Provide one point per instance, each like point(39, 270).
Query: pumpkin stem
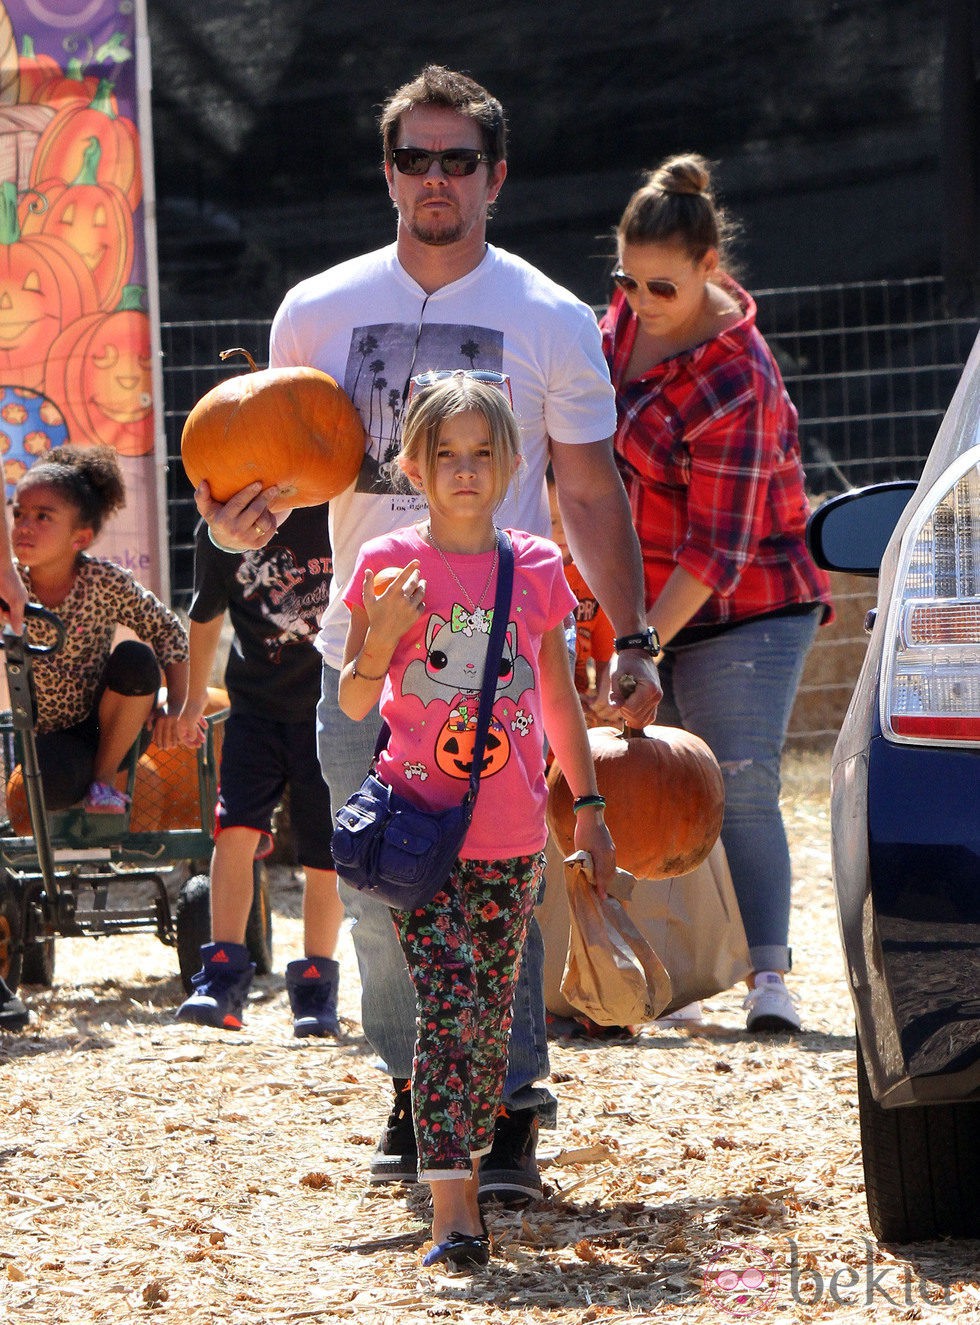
point(131, 299)
point(91, 157)
point(9, 222)
point(27, 47)
point(74, 70)
point(226, 354)
point(103, 98)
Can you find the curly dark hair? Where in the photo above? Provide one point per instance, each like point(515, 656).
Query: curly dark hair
point(88, 477)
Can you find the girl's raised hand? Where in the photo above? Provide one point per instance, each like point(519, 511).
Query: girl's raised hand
point(393, 606)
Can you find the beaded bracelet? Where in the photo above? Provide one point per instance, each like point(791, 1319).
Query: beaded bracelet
point(585, 802)
point(363, 676)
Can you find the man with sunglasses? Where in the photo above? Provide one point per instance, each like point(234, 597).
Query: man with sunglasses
point(439, 298)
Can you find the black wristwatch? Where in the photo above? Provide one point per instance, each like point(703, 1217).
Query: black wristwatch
point(648, 640)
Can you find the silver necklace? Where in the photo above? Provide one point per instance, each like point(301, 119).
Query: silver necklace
point(462, 587)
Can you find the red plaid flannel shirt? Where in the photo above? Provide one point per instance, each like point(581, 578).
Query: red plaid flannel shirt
point(708, 448)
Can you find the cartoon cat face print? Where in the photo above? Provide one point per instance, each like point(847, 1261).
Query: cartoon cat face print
point(454, 658)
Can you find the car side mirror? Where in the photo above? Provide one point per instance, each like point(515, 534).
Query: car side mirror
point(850, 532)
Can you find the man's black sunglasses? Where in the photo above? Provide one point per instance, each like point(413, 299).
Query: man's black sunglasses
point(454, 162)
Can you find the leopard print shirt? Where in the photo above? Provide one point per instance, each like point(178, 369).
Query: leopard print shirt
point(103, 597)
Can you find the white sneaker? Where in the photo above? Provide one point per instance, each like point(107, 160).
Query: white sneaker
point(771, 1006)
point(689, 1015)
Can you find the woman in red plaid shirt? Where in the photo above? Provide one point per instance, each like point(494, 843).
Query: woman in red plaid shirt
point(707, 444)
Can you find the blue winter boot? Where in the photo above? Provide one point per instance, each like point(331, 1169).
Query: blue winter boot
point(312, 984)
point(220, 987)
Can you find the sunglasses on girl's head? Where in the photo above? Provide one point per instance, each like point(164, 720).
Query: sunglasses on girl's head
point(424, 380)
point(629, 285)
point(454, 162)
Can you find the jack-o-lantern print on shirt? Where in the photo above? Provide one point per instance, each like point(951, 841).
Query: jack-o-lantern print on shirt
point(452, 672)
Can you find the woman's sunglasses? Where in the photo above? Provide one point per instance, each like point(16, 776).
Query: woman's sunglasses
point(454, 162)
point(425, 380)
point(660, 289)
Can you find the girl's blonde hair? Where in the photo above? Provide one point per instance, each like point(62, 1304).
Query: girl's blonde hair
point(433, 405)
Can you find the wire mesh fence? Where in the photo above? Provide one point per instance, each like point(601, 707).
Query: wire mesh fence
point(871, 367)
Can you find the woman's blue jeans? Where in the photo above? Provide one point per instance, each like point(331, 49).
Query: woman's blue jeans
point(736, 691)
point(346, 749)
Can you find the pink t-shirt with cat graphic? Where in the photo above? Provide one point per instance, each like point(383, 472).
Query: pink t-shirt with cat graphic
point(431, 694)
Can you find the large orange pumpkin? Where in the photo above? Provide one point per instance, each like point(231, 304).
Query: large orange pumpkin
point(291, 428)
point(166, 793)
point(664, 799)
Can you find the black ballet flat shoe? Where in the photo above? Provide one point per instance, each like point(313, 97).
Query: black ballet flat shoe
point(463, 1251)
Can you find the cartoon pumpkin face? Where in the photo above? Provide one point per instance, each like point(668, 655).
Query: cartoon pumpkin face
point(454, 745)
point(100, 367)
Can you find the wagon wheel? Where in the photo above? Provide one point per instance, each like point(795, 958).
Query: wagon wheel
point(38, 962)
point(192, 920)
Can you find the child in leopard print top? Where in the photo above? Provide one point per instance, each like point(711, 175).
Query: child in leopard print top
point(93, 700)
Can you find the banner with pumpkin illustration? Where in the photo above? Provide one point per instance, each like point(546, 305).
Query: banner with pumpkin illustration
point(75, 329)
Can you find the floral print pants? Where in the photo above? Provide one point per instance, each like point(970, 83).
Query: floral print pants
point(463, 952)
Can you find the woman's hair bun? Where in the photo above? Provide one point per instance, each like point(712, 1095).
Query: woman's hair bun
point(683, 174)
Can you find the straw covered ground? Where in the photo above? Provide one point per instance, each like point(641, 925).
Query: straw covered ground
point(156, 1172)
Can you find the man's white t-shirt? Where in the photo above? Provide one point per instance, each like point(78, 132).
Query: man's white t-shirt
point(369, 325)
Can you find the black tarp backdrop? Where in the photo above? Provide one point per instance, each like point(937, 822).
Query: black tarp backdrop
point(824, 117)
point(961, 156)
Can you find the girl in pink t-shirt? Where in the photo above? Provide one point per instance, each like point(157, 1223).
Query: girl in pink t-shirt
point(418, 645)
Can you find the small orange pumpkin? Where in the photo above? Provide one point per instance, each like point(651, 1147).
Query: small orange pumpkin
point(665, 799)
point(384, 577)
point(290, 428)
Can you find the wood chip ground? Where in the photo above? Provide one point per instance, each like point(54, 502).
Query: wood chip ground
point(150, 1171)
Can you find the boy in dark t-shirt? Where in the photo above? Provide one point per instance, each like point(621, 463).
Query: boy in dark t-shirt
point(275, 598)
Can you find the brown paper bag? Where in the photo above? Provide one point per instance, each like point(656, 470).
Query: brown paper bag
point(612, 974)
point(692, 922)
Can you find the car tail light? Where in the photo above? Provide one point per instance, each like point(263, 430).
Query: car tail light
point(930, 690)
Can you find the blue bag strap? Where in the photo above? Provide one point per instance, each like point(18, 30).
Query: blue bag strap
point(491, 666)
point(495, 650)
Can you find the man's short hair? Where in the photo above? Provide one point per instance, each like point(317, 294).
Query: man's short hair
point(445, 88)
